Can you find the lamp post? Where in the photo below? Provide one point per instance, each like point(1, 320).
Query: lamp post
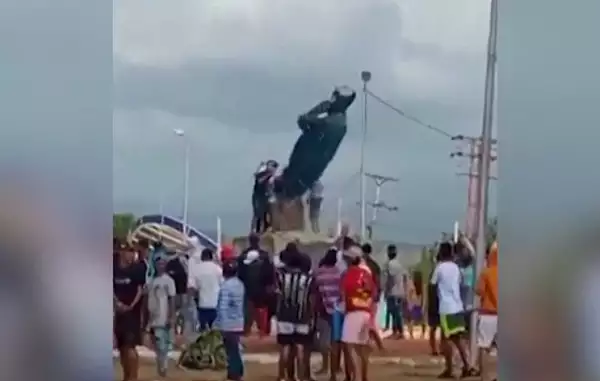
point(186, 178)
point(365, 76)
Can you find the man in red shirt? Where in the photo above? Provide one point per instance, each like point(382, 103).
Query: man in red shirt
point(358, 290)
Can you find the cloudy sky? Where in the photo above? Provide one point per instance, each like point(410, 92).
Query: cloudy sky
point(234, 74)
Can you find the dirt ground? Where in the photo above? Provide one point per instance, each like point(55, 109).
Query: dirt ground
point(259, 372)
point(404, 360)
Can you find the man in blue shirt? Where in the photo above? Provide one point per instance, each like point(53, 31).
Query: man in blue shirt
point(230, 319)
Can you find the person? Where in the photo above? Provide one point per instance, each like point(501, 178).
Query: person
point(447, 277)
point(176, 270)
point(230, 319)
point(375, 270)
point(414, 305)
point(487, 322)
point(467, 272)
point(433, 313)
point(315, 200)
point(358, 289)
point(204, 280)
point(271, 194)
point(263, 188)
point(127, 294)
point(294, 314)
point(257, 271)
point(146, 268)
point(161, 314)
point(395, 284)
point(327, 286)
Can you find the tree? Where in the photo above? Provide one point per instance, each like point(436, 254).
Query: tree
point(122, 224)
point(492, 230)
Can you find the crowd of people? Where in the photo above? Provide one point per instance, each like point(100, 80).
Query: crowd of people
point(327, 307)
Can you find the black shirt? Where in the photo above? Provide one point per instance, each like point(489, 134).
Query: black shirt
point(126, 282)
point(177, 271)
point(258, 276)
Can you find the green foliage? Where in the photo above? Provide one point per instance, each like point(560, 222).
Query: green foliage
point(122, 224)
point(492, 230)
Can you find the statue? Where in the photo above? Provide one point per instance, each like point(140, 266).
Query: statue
point(323, 129)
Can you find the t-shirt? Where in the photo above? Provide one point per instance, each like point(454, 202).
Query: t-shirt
point(394, 274)
point(327, 280)
point(447, 277)
point(295, 289)
point(257, 272)
point(206, 277)
point(466, 287)
point(358, 289)
point(177, 271)
point(160, 289)
point(126, 283)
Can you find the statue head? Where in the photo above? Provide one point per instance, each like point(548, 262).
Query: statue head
point(340, 101)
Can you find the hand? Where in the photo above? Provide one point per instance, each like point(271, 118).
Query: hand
point(121, 307)
point(147, 339)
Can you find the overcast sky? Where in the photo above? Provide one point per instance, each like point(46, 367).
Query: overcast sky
point(234, 74)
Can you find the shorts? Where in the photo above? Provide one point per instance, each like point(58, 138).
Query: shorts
point(324, 332)
point(127, 327)
point(452, 324)
point(416, 314)
point(337, 325)
point(355, 329)
point(292, 334)
point(433, 319)
point(487, 330)
point(468, 315)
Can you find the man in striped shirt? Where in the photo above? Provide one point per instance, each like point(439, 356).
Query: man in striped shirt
point(327, 280)
point(294, 312)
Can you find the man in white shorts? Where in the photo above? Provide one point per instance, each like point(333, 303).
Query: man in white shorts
point(487, 322)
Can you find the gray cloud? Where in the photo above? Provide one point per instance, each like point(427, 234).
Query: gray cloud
point(238, 103)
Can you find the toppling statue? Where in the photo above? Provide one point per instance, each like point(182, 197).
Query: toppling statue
point(323, 129)
point(277, 198)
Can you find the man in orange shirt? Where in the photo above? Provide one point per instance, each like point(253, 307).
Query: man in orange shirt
point(487, 290)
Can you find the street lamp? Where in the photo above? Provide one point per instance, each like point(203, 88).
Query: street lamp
point(365, 77)
point(186, 178)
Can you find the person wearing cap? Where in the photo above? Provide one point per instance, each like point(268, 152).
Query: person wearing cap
point(257, 271)
point(230, 319)
point(358, 290)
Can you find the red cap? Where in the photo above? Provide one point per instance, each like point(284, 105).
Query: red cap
point(227, 252)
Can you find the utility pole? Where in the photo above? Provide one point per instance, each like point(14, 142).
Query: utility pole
point(486, 159)
point(365, 77)
point(377, 203)
point(473, 154)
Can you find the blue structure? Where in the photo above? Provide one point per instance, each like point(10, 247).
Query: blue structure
point(170, 231)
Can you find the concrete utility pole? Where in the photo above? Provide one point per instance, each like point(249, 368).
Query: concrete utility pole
point(485, 163)
point(377, 203)
point(365, 77)
point(474, 155)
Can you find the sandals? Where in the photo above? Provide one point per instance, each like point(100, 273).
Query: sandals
point(470, 372)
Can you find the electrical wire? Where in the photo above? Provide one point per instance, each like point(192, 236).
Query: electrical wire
point(409, 117)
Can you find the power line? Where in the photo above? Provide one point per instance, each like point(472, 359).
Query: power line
point(410, 117)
